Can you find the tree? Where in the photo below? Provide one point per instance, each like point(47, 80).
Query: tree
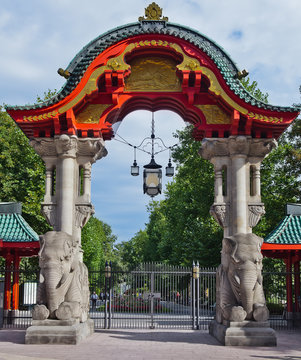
point(97, 243)
point(21, 173)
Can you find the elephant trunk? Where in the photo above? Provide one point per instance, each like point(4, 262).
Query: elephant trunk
point(53, 278)
point(248, 279)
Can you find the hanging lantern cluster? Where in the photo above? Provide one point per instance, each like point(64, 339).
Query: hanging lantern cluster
point(152, 173)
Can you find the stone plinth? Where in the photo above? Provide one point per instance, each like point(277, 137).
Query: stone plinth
point(245, 333)
point(65, 332)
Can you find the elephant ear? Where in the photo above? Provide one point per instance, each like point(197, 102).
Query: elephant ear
point(67, 250)
point(230, 246)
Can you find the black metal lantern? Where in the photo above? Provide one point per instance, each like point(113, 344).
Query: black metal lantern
point(152, 178)
point(169, 170)
point(135, 167)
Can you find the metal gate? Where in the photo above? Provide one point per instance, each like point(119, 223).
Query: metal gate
point(153, 296)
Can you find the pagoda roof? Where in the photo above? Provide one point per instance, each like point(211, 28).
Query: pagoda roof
point(287, 234)
point(13, 228)
point(84, 58)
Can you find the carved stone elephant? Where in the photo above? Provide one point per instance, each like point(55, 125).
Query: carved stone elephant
point(239, 280)
point(63, 291)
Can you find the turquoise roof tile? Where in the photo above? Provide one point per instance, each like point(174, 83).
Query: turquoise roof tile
point(288, 231)
point(13, 228)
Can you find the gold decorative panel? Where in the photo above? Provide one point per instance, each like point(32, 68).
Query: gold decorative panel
point(91, 114)
point(214, 114)
point(153, 74)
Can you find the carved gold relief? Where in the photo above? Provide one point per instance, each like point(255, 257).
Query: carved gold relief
point(153, 12)
point(214, 114)
point(91, 114)
point(265, 118)
point(153, 74)
point(41, 117)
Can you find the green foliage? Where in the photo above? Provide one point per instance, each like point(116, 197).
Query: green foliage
point(21, 173)
point(98, 244)
point(47, 95)
point(252, 88)
point(131, 252)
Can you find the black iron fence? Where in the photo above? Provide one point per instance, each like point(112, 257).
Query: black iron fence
point(151, 296)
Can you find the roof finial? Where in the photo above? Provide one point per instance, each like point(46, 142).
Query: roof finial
point(153, 12)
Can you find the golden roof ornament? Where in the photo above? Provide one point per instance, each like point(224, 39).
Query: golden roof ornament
point(154, 13)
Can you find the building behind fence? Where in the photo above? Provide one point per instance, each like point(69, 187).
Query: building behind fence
point(152, 296)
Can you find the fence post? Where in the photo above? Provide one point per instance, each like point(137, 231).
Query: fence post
point(193, 296)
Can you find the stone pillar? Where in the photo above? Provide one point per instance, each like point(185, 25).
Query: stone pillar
point(63, 296)
point(241, 312)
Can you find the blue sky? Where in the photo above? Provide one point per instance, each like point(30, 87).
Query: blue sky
point(38, 37)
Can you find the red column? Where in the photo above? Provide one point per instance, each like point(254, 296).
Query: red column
point(15, 305)
point(297, 285)
point(7, 282)
point(289, 285)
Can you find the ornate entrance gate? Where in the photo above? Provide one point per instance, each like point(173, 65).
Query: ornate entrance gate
point(154, 65)
point(154, 296)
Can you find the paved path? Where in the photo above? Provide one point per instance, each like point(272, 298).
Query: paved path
point(148, 345)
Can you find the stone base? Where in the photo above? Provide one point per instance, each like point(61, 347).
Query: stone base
point(67, 332)
point(245, 333)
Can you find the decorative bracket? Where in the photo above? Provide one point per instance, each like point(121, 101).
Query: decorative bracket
point(256, 211)
point(83, 213)
point(49, 211)
point(220, 212)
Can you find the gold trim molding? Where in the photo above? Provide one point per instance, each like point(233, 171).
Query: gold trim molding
point(265, 118)
point(41, 117)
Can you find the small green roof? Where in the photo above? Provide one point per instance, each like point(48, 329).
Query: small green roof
point(13, 228)
point(288, 231)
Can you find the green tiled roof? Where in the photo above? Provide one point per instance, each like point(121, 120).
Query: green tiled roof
point(13, 228)
point(287, 232)
point(83, 59)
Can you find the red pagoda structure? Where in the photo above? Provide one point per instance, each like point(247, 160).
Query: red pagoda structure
point(17, 240)
point(284, 242)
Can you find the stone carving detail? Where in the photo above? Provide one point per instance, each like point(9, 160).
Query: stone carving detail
point(236, 145)
point(255, 214)
point(82, 214)
point(64, 288)
point(93, 148)
point(43, 146)
point(220, 214)
point(49, 211)
point(66, 145)
point(239, 280)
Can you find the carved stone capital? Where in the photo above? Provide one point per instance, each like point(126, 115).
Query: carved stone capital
point(214, 147)
point(66, 146)
point(256, 211)
point(49, 211)
point(45, 147)
point(220, 213)
point(83, 213)
point(236, 146)
point(262, 147)
point(92, 148)
point(239, 145)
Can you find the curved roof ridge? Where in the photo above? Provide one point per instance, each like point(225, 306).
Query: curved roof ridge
point(26, 227)
point(219, 56)
point(291, 224)
point(13, 228)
